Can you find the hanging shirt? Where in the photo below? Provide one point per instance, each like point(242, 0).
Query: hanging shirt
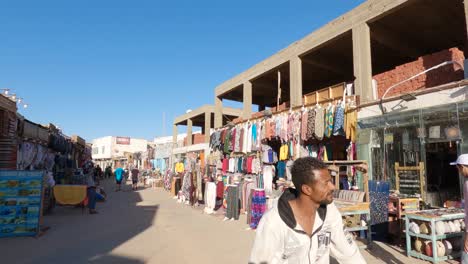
point(288, 170)
point(351, 123)
point(248, 146)
point(310, 123)
point(304, 120)
point(284, 152)
point(256, 166)
point(254, 135)
point(232, 164)
point(329, 121)
point(245, 141)
point(265, 153)
point(237, 140)
point(281, 169)
point(338, 127)
point(319, 123)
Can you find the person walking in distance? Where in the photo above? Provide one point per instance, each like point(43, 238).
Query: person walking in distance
point(135, 173)
point(305, 226)
point(462, 166)
point(119, 175)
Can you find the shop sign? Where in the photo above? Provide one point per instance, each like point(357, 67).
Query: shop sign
point(123, 141)
point(388, 138)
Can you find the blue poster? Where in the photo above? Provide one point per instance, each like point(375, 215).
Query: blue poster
point(20, 202)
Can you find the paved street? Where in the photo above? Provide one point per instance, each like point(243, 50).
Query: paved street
point(147, 226)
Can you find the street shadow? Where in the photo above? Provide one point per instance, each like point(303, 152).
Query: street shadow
point(382, 254)
point(77, 237)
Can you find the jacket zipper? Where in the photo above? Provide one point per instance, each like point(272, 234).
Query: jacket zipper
point(310, 249)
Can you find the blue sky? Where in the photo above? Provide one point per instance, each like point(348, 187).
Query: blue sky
point(99, 68)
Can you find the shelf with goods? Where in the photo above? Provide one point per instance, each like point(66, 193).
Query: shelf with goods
point(398, 208)
point(438, 238)
point(354, 206)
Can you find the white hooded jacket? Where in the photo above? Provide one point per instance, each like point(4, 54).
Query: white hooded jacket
point(280, 240)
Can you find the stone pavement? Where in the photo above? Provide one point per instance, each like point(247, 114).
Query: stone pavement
point(146, 226)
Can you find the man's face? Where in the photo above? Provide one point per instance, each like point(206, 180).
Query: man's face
point(322, 188)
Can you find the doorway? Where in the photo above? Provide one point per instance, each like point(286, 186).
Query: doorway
point(442, 179)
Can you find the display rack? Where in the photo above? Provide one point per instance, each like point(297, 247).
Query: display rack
point(410, 180)
point(349, 207)
point(426, 216)
point(396, 217)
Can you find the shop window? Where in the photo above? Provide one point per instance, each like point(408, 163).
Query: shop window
point(434, 136)
point(442, 136)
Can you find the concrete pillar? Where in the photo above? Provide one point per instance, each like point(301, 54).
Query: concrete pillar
point(218, 112)
point(207, 126)
point(362, 62)
point(247, 111)
point(189, 131)
point(295, 81)
point(174, 135)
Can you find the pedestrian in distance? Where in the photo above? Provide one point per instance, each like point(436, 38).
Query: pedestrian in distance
point(135, 173)
point(462, 166)
point(305, 226)
point(108, 172)
point(119, 175)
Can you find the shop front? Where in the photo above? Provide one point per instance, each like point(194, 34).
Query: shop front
point(413, 150)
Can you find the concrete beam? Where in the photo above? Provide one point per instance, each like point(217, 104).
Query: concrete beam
point(362, 62)
point(207, 126)
point(247, 102)
point(189, 132)
point(295, 81)
point(218, 122)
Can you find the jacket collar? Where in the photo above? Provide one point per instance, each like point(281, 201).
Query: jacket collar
point(287, 215)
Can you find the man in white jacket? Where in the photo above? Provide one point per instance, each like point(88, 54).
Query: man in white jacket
point(305, 227)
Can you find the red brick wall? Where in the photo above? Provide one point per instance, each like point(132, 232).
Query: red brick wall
point(446, 74)
point(196, 139)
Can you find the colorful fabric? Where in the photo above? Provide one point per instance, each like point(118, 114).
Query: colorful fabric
point(329, 121)
point(304, 120)
point(310, 123)
point(338, 127)
point(258, 207)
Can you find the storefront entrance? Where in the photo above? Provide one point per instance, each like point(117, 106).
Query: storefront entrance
point(427, 138)
point(442, 181)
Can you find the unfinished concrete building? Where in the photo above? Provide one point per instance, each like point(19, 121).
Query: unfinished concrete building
point(374, 38)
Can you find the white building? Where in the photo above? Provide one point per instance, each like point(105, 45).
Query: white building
point(116, 151)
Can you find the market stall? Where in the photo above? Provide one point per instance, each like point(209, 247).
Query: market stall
point(353, 205)
point(435, 235)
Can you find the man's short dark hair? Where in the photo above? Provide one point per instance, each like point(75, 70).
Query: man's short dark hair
point(302, 171)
